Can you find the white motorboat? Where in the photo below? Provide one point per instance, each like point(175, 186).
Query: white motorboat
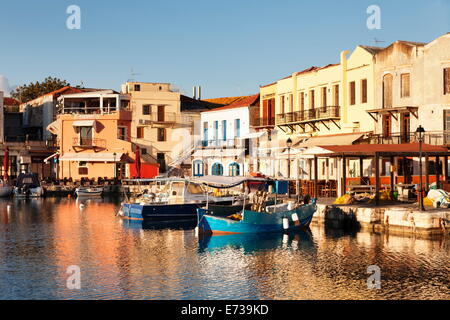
point(89, 191)
point(28, 186)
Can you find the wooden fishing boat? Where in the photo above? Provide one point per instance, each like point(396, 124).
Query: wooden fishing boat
point(89, 191)
point(279, 220)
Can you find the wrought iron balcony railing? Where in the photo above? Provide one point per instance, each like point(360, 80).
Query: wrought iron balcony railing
point(322, 113)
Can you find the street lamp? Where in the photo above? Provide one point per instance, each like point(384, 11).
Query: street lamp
point(420, 132)
point(289, 145)
point(115, 167)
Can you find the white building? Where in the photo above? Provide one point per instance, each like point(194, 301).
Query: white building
point(226, 139)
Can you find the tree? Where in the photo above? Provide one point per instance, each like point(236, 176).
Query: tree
point(32, 90)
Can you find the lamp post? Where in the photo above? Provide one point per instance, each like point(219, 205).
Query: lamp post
point(289, 145)
point(420, 137)
point(115, 166)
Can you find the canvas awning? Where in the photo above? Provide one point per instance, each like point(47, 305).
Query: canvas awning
point(338, 140)
point(51, 157)
point(204, 153)
point(92, 157)
point(253, 135)
point(84, 123)
point(53, 127)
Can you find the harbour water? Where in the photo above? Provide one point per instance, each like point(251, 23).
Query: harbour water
point(41, 238)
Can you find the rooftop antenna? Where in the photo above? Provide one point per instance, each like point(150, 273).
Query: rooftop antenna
point(377, 41)
point(132, 75)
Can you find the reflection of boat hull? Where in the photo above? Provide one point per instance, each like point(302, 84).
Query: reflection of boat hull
point(257, 222)
point(254, 241)
point(5, 191)
point(161, 212)
point(29, 193)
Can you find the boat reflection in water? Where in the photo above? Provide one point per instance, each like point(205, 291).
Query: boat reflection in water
point(158, 225)
point(251, 242)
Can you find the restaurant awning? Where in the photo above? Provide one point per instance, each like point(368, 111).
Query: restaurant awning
point(338, 140)
point(92, 157)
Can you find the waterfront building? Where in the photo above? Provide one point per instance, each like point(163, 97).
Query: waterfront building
point(316, 106)
point(93, 135)
point(26, 151)
point(227, 138)
point(164, 125)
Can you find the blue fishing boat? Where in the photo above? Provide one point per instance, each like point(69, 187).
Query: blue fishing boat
point(257, 222)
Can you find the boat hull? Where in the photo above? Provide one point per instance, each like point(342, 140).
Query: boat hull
point(256, 222)
point(5, 191)
point(92, 192)
point(160, 212)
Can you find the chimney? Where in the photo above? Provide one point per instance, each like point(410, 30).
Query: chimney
point(199, 92)
point(194, 92)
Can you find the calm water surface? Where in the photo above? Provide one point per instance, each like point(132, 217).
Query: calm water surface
point(40, 239)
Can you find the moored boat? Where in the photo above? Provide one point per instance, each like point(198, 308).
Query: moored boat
point(89, 191)
point(28, 186)
point(279, 220)
point(169, 199)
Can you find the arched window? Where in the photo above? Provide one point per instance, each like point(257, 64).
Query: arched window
point(234, 169)
point(217, 169)
point(198, 168)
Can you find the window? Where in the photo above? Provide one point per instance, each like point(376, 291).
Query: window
point(324, 96)
point(198, 168)
point(446, 80)
point(161, 134)
point(405, 85)
point(143, 150)
point(237, 128)
point(85, 136)
point(352, 93)
point(234, 169)
point(146, 110)
point(161, 159)
point(217, 169)
point(137, 87)
point(364, 91)
point(224, 130)
point(140, 132)
point(161, 113)
point(387, 91)
point(336, 94)
point(281, 104)
point(291, 103)
point(216, 130)
point(311, 99)
point(205, 133)
point(302, 101)
point(387, 125)
point(82, 168)
point(122, 133)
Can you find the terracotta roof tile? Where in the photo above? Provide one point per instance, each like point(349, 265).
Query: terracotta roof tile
point(244, 101)
point(10, 101)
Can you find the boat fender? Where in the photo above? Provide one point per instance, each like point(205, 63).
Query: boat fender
point(196, 231)
point(285, 223)
point(294, 217)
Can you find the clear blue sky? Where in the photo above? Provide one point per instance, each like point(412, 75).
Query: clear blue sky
point(228, 47)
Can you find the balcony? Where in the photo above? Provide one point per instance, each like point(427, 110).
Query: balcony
point(310, 116)
point(159, 119)
point(263, 122)
point(87, 143)
point(437, 138)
